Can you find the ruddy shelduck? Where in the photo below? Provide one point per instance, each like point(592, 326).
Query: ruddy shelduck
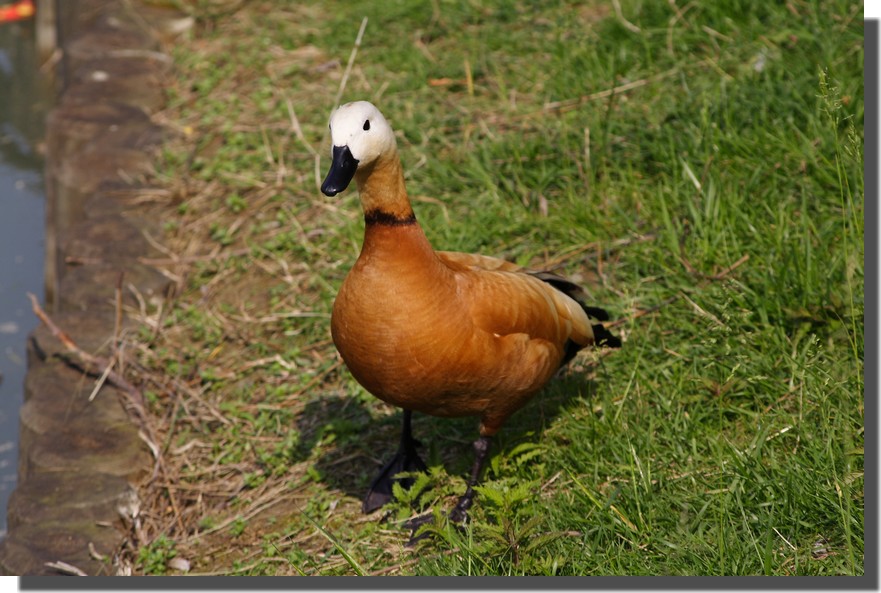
point(442, 333)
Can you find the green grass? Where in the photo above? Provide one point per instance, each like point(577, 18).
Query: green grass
point(717, 210)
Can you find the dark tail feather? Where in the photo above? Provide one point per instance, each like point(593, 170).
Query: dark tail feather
point(601, 336)
point(595, 312)
point(604, 337)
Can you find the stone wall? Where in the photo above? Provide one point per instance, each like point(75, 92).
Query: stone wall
point(79, 459)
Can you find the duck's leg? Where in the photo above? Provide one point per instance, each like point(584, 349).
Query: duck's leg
point(405, 460)
point(459, 514)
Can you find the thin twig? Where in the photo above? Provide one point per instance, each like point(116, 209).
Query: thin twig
point(101, 380)
point(350, 63)
point(721, 275)
point(640, 313)
point(298, 131)
point(570, 103)
point(93, 363)
point(702, 312)
point(66, 568)
point(117, 328)
point(95, 554)
point(627, 24)
point(587, 166)
point(553, 263)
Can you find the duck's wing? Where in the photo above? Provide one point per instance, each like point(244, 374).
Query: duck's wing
point(473, 261)
point(564, 285)
point(507, 294)
point(504, 299)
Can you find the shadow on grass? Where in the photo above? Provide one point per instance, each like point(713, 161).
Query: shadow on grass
point(351, 439)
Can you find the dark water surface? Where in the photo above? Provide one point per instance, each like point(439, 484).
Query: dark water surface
point(24, 101)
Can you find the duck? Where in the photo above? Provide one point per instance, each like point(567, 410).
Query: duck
point(441, 333)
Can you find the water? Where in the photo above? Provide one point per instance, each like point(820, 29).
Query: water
point(24, 101)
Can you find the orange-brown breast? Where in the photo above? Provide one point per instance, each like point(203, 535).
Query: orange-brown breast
point(439, 335)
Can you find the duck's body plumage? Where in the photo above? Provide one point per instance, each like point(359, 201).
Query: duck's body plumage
point(450, 334)
point(442, 333)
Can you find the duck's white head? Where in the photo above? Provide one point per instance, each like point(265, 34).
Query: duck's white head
point(359, 135)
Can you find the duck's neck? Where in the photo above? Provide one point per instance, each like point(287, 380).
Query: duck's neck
point(383, 195)
point(390, 224)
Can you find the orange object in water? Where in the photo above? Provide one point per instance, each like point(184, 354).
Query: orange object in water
point(16, 12)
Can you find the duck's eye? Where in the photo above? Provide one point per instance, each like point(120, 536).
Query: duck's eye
point(366, 124)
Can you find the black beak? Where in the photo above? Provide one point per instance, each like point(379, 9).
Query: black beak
point(342, 169)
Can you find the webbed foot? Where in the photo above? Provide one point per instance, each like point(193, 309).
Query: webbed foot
point(380, 491)
point(405, 460)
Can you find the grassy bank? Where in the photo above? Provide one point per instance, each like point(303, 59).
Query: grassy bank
point(698, 167)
